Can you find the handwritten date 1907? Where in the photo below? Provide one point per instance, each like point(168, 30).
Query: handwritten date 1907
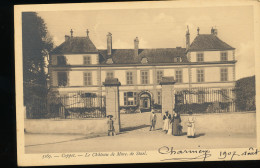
point(231, 154)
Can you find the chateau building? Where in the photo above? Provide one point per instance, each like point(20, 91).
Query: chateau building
point(78, 66)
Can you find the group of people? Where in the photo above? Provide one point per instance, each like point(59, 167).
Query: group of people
point(172, 124)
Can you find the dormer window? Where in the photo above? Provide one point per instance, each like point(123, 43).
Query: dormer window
point(200, 57)
point(109, 61)
point(178, 59)
point(223, 56)
point(144, 60)
point(86, 60)
point(61, 60)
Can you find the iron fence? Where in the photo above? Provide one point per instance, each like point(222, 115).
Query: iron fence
point(71, 106)
point(205, 100)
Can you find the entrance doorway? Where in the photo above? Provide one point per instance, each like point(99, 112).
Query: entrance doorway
point(145, 102)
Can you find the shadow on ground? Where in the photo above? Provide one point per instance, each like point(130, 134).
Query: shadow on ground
point(127, 129)
point(199, 135)
point(196, 135)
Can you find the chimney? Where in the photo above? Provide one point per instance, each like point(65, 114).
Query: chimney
point(214, 31)
point(87, 32)
point(136, 43)
point(71, 33)
point(187, 38)
point(67, 37)
point(109, 43)
point(198, 31)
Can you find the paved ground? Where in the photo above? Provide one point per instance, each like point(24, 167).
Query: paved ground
point(135, 136)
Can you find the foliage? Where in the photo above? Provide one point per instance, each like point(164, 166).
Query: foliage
point(245, 94)
point(129, 109)
point(36, 44)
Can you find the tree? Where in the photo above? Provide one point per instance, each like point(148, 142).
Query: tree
point(245, 94)
point(36, 44)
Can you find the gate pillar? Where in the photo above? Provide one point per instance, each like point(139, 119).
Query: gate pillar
point(168, 96)
point(112, 100)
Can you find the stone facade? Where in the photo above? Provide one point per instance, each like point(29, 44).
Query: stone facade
point(137, 76)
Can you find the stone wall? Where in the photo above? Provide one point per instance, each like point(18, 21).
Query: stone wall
point(66, 126)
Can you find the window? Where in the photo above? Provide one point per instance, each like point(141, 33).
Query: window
point(129, 78)
point(200, 57)
point(87, 78)
point(109, 61)
point(110, 75)
point(201, 98)
point(144, 77)
point(200, 75)
point(223, 56)
point(129, 98)
point(61, 60)
point(223, 74)
point(86, 60)
point(144, 61)
point(159, 76)
point(178, 75)
point(178, 59)
point(62, 78)
point(159, 97)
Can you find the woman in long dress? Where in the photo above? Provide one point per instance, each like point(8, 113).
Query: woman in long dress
point(176, 131)
point(191, 126)
point(170, 126)
point(166, 118)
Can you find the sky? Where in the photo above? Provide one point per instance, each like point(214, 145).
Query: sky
point(160, 28)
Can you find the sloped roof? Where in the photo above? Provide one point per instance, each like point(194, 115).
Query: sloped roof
point(207, 42)
point(159, 55)
point(75, 45)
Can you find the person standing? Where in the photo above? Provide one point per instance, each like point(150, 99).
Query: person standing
point(110, 124)
point(191, 126)
point(166, 118)
point(152, 120)
point(176, 126)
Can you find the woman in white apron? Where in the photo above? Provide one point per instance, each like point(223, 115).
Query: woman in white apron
point(191, 126)
point(166, 124)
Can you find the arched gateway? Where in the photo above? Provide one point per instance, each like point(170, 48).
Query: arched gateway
point(145, 101)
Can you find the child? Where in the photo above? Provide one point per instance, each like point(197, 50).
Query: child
point(110, 124)
point(191, 126)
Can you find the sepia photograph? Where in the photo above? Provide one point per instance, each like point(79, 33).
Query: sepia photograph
point(116, 81)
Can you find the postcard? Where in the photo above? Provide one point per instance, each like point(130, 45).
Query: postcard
point(137, 82)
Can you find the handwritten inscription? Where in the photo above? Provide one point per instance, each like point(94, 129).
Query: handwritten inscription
point(186, 155)
point(199, 154)
point(169, 154)
point(231, 155)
